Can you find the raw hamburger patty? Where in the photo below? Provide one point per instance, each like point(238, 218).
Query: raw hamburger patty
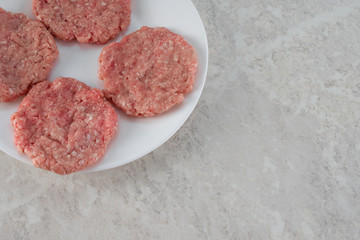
point(64, 126)
point(27, 53)
point(148, 71)
point(87, 21)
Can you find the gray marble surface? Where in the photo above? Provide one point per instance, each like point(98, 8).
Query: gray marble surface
point(271, 151)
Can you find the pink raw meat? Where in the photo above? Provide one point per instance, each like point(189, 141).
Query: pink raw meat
point(148, 71)
point(87, 21)
point(27, 54)
point(64, 126)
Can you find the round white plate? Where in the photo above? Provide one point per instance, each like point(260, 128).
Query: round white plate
point(136, 136)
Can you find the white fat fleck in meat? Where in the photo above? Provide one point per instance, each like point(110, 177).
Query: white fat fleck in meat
point(88, 137)
point(89, 118)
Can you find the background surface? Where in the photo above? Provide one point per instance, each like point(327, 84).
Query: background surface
point(270, 152)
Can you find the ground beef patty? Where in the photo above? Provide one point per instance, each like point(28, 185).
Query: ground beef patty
point(148, 71)
point(64, 126)
point(27, 53)
point(87, 21)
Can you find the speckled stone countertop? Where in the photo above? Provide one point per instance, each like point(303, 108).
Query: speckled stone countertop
point(270, 152)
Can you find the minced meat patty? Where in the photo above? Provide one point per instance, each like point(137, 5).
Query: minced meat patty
point(27, 54)
point(87, 21)
point(148, 71)
point(64, 126)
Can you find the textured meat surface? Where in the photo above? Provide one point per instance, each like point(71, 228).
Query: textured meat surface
point(148, 71)
point(64, 126)
point(27, 53)
point(87, 21)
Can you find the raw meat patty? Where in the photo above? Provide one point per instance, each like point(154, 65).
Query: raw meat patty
point(64, 126)
point(87, 21)
point(148, 71)
point(27, 53)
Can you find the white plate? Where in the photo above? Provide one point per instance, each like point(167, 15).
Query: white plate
point(136, 136)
